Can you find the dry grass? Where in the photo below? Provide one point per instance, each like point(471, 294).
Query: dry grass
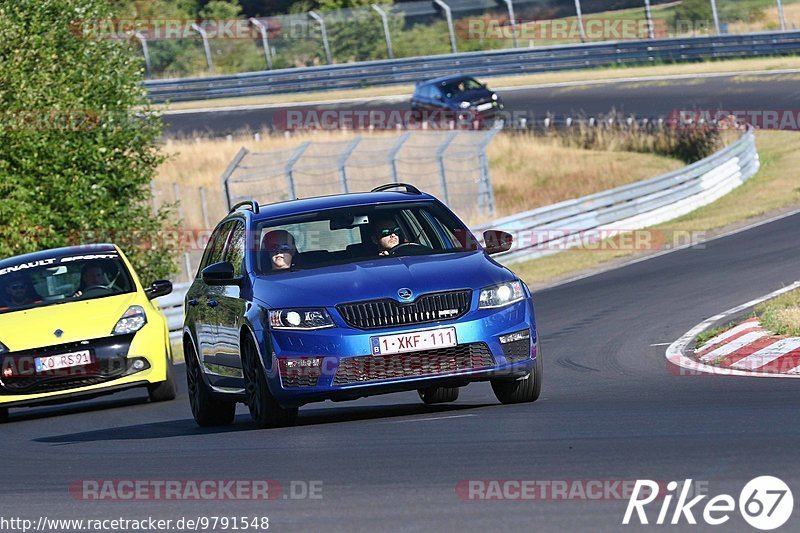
point(527, 171)
point(770, 21)
point(735, 65)
point(782, 314)
point(775, 188)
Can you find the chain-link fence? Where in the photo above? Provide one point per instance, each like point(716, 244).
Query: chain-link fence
point(450, 164)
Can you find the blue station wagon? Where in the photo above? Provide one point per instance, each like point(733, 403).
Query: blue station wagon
point(352, 295)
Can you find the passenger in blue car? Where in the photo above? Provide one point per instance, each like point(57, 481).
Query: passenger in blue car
point(280, 246)
point(385, 234)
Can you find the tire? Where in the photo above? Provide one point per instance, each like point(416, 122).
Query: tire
point(206, 409)
point(434, 395)
point(164, 391)
point(523, 390)
point(265, 411)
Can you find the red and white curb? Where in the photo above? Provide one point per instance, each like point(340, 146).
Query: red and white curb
point(745, 350)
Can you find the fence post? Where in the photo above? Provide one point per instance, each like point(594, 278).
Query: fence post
point(780, 15)
point(227, 174)
point(440, 159)
point(716, 16)
point(393, 154)
point(343, 161)
point(204, 36)
point(386, 33)
point(580, 20)
point(204, 207)
point(513, 20)
point(176, 193)
point(154, 205)
point(449, 16)
point(187, 262)
point(146, 52)
point(290, 168)
point(262, 29)
point(487, 193)
point(315, 16)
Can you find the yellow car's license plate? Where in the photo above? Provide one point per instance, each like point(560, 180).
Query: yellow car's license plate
point(66, 360)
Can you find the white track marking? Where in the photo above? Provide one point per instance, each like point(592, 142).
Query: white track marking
point(729, 348)
point(432, 418)
point(768, 354)
point(728, 334)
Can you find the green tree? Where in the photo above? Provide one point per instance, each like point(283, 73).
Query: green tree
point(78, 141)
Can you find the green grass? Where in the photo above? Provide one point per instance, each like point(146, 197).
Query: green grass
point(707, 335)
point(781, 315)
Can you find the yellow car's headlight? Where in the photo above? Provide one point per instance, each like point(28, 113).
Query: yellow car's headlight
point(131, 321)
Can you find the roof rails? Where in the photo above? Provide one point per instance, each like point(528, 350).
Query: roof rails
point(409, 188)
point(250, 205)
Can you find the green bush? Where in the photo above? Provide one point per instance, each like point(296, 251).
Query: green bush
point(78, 143)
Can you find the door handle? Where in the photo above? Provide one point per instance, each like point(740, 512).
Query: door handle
point(192, 302)
point(212, 303)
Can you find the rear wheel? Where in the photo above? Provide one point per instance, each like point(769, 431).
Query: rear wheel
point(264, 409)
point(522, 390)
point(433, 395)
point(164, 390)
point(206, 409)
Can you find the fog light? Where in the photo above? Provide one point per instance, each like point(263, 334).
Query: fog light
point(302, 362)
point(516, 336)
point(138, 364)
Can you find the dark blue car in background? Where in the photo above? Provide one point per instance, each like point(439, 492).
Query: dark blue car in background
point(346, 296)
point(458, 98)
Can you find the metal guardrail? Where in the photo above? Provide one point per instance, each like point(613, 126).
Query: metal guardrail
point(548, 230)
point(622, 210)
point(490, 63)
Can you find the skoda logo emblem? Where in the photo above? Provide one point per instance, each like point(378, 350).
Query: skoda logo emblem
point(405, 294)
point(58, 333)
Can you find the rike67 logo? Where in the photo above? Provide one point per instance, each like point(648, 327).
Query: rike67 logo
point(765, 503)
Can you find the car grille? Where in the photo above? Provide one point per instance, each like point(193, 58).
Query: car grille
point(518, 350)
point(298, 377)
point(431, 307)
point(34, 385)
point(464, 357)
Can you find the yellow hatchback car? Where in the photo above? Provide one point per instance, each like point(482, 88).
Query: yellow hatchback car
point(76, 323)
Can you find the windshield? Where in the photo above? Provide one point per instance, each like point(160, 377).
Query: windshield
point(358, 234)
point(454, 88)
point(62, 279)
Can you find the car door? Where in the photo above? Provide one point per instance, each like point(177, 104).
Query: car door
point(224, 368)
point(202, 298)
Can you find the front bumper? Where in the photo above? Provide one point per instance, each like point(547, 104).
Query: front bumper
point(346, 370)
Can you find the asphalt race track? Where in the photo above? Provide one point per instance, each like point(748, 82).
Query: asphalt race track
point(646, 99)
point(610, 410)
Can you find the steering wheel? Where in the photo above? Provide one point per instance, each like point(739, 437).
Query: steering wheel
point(407, 246)
point(97, 287)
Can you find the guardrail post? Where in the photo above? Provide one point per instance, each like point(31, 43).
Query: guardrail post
point(262, 29)
point(580, 20)
point(343, 161)
point(510, 7)
point(146, 51)
point(325, 43)
point(716, 16)
point(649, 16)
point(393, 154)
point(206, 47)
point(780, 15)
point(290, 168)
point(486, 194)
point(450, 29)
point(440, 160)
point(386, 33)
point(226, 191)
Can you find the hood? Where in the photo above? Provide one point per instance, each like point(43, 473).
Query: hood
point(91, 319)
point(476, 96)
point(381, 278)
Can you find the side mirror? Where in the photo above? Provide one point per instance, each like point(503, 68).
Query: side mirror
point(158, 288)
point(219, 274)
point(497, 241)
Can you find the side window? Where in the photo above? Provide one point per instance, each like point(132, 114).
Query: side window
point(234, 253)
point(216, 247)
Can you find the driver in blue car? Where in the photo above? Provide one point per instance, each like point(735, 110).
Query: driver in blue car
point(386, 235)
point(280, 247)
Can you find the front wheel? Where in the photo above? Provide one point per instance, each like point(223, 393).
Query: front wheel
point(206, 409)
point(434, 395)
point(521, 390)
point(265, 411)
point(164, 390)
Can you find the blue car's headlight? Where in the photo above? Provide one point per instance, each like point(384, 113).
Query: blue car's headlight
point(501, 295)
point(3, 348)
point(464, 105)
point(300, 319)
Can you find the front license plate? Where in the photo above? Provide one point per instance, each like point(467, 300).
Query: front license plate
point(414, 341)
point(484, 107)
point(66, 360)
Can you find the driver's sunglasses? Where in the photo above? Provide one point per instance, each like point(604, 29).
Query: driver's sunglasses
point(389, 231)
point(282, 248)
